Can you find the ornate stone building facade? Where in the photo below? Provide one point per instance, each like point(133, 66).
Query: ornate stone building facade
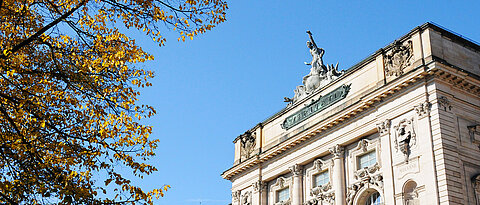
point(401, 127)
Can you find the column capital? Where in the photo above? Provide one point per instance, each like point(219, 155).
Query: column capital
point(384, 127)
point(259, 186)
point(337, 151)
point(296, 169)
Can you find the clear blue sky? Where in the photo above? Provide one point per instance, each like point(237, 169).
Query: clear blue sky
point(210, 90)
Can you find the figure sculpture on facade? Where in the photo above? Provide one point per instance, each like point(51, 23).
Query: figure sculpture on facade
point(319, 76)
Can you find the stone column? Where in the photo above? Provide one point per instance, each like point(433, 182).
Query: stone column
point(338, 174)
point(259, 194)
point(383, 128)
point(297, 198)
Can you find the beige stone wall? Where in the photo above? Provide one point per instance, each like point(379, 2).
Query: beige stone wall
point(429, 100)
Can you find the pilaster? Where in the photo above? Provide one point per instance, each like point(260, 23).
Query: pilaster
point(297, 196)
point(338, 174)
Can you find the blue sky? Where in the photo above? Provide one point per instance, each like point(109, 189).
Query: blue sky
point(210, 90)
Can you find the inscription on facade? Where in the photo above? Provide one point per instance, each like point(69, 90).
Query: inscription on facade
point(316, 106)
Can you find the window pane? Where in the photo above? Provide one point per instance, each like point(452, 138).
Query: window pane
point(321, 179)
point(283, 195)
point(367, 160)
point(374, 199)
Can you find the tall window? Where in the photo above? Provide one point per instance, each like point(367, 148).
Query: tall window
point(374, 199)
point(283, 195)
point(321, 179)
point(367, 160)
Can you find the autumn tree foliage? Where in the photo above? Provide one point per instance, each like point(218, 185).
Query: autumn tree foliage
point(69, 80)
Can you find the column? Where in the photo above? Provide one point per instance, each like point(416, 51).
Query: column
point(297, 198)
point(259, 196)
point(383, 128)
point(338, 174)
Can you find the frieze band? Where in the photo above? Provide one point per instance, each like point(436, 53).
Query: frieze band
point(316, 106)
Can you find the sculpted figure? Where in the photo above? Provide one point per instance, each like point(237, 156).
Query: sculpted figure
point(317, 54)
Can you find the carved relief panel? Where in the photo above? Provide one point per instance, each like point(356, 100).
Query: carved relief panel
point(247, 144)
point(398, 58)
point(405, 138)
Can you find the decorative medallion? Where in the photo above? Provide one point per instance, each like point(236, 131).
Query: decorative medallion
point(398, 58)
point(405, 137)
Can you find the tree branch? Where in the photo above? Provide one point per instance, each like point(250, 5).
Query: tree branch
point(41, 31)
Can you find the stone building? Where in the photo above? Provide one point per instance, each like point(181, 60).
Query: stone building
point(400, 127)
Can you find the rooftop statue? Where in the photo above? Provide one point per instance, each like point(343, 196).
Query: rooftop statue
point(319, 76)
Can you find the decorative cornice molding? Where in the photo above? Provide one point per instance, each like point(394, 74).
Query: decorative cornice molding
point(337, 151)
point(367, 101)
point(296, 169)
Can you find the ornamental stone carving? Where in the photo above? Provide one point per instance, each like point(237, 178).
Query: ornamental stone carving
point(474, 132)
point(246, 198)
point(236, 195)
point(296, 169)
point(259, 186)
point(366, 171)
point(370, 179)
point(476, 187)
point(444, 103)
point(247, 144)
point(384, 127)
point(322, 199)
point(337, 150)
point(423, 109)
point(397, 59)
point(363, 145)
point(405, 137)
point(319, 76)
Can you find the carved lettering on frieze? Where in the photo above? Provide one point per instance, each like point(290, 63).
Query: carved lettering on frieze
point(398, 58)
point(423, 109)
point(405, 137)
point(384, 127)
point(247, 144)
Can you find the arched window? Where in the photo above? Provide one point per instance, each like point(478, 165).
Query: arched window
point(374, 199)
point(410, 193)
